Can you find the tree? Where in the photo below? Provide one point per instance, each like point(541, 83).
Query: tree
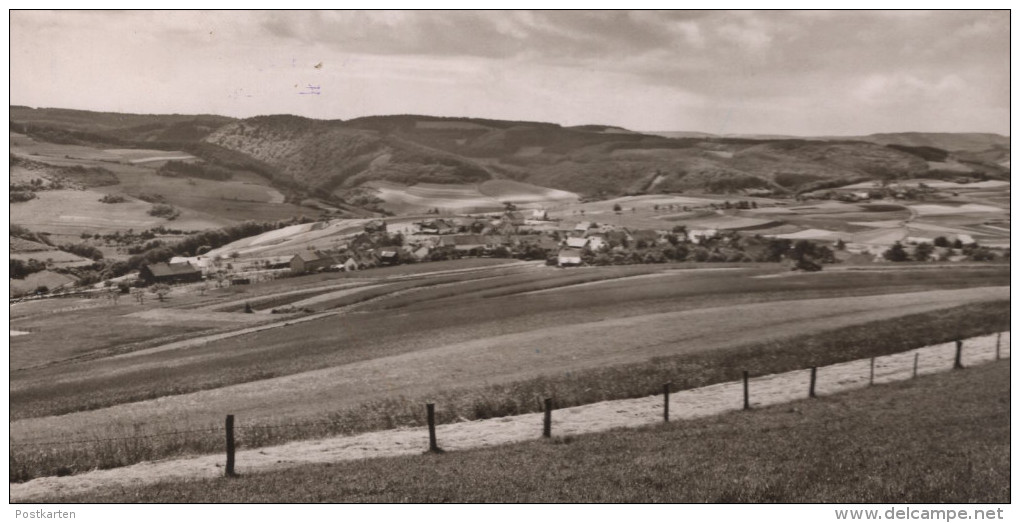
point(807, 265)
point(139, 295)
point(941, 241)
point(617, 208)
point(923, 251)
point(681, 232)
point(982, 254)
point(896, 253)
point(161, 290)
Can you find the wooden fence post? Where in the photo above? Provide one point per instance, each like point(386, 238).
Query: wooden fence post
point(917, 355)
point(230, 446)
point(430, 411)
point(958, 364)
point(747, 396)
point(547, 420)
point(814, 378)
point(665, 403)
point(871, 377)
point(998, 345)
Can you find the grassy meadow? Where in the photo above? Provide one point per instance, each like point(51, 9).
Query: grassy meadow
point(582, 386)
point(938, 439)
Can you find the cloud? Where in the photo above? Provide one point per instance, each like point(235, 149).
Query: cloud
point(776, 72)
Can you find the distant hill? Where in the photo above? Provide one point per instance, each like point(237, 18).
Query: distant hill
point(333, 156)
point(970, 142)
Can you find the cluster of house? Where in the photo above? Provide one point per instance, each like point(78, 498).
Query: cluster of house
point(466, 236)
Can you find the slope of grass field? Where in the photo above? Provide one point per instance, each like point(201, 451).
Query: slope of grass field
point(939, 439)
point(435, 317)
point(489, 196)
point(204, 203)
point(395, 399)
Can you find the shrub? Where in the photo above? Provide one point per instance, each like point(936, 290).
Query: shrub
point(20, 269)
point(112, 198)
point(174, 168)
point(83, 250)
point(21, 196)
point(162, 210)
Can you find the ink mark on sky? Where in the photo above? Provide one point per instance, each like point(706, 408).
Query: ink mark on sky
point(311, 89)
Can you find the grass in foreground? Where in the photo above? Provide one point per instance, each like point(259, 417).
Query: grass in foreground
point(579, 388)
point(937, 439)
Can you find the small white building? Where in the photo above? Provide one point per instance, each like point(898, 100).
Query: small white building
point(569, 257)
point(596, 242)
point(577, 243)
point(699, 235)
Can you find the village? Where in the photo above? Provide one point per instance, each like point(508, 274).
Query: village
point(528, 235)
point(561, 240)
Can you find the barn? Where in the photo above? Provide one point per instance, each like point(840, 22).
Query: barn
point(310, 261)
point(170, 273)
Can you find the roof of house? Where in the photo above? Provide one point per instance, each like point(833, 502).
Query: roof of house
point(466, 239)
point(577, 242)
point(583, 226)
point(644, 234)
point(548, 243)
point(172, 269)
point(617, 235)
point(311, 256)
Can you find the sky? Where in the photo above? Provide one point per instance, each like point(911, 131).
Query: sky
point(724, 72)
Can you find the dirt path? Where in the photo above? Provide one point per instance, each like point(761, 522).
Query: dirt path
point(204, 340)
point(694, 403)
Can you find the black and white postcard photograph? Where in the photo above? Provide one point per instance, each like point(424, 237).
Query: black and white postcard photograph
point(714, 258)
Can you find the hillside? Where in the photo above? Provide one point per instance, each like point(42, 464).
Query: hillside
point(332, 158)
point(590, 160)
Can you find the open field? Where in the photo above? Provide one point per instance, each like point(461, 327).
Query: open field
point(359, 377)
point(489, 196)
point(204, 203)
point(49, 279)
point(413, 335)
point(468, 306)
point(785, 453)
point(70, 213)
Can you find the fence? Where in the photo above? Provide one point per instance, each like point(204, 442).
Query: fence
point(713, 399)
